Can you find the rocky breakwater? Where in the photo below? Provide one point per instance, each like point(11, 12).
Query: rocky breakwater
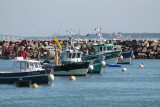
point(142, 48)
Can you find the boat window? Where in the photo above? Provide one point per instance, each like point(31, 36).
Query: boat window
point(70, 55)
point(37, 65)
point(100, 49)
point(104, 49)
point(74, 54)
point(27, 65)
point(30, 65)
point(109, 48)
point(78, 55)
point(18, 65)
point(23, 65)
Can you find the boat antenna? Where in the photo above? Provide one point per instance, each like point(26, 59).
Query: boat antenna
point(67, 46)
point(71, 36)
point(99, 33)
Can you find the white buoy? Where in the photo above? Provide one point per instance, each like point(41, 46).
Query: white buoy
point(124, 69)
point(90, 67)
point(103, 63)
point(51, 77)
point(133, 56)
point(142, 65)
point(72, 78)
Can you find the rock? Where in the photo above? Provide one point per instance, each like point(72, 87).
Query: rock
point(144, 49)
point(155, 48)
point(33, 47)
point(158, 49)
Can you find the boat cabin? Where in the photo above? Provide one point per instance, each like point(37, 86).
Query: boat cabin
point(27, 65)
point(72, 56)
point(103, 48)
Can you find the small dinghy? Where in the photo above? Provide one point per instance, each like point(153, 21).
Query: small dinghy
point(115, 65)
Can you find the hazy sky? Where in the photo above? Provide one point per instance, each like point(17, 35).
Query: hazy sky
point(45, 17)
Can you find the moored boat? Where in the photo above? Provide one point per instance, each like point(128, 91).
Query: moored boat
point(71, 63)
point(127, 58)
point(104, 52)
point(70, 56)
point(29, 70)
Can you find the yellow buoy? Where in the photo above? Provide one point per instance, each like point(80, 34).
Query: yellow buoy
point(72, 78)
point(121, 57)
point(35, 85)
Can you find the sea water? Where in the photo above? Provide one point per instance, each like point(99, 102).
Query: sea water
point(136, 87)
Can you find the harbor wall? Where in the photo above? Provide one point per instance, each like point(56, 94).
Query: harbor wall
point(142, 48)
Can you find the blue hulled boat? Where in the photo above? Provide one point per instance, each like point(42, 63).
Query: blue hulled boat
point(127, 58)
point(29, 70)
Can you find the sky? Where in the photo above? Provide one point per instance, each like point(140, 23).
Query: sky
point(47, 17)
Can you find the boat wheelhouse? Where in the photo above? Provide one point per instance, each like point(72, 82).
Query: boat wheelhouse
point(101, 49)
point(71, 56)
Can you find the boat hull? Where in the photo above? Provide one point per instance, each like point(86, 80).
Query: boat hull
point(76, 69)
point(111, 61)
point(127, 58)
point(109, 57)
point(39, 77)
point(75, 72)
point(97, 66)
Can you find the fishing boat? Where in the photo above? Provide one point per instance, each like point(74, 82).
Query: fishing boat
point(74, 55)
point(104, 52)
point(68, 67)
point(127, 58)
point(28, 70)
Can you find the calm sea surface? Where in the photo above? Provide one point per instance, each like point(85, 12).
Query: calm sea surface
point(137, 87)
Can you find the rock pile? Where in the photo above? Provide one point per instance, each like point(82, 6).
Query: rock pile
point(142, 48)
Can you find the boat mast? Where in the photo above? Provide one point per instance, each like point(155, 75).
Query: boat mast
point(56, 56)
point(71, 36)
point(99, 33)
